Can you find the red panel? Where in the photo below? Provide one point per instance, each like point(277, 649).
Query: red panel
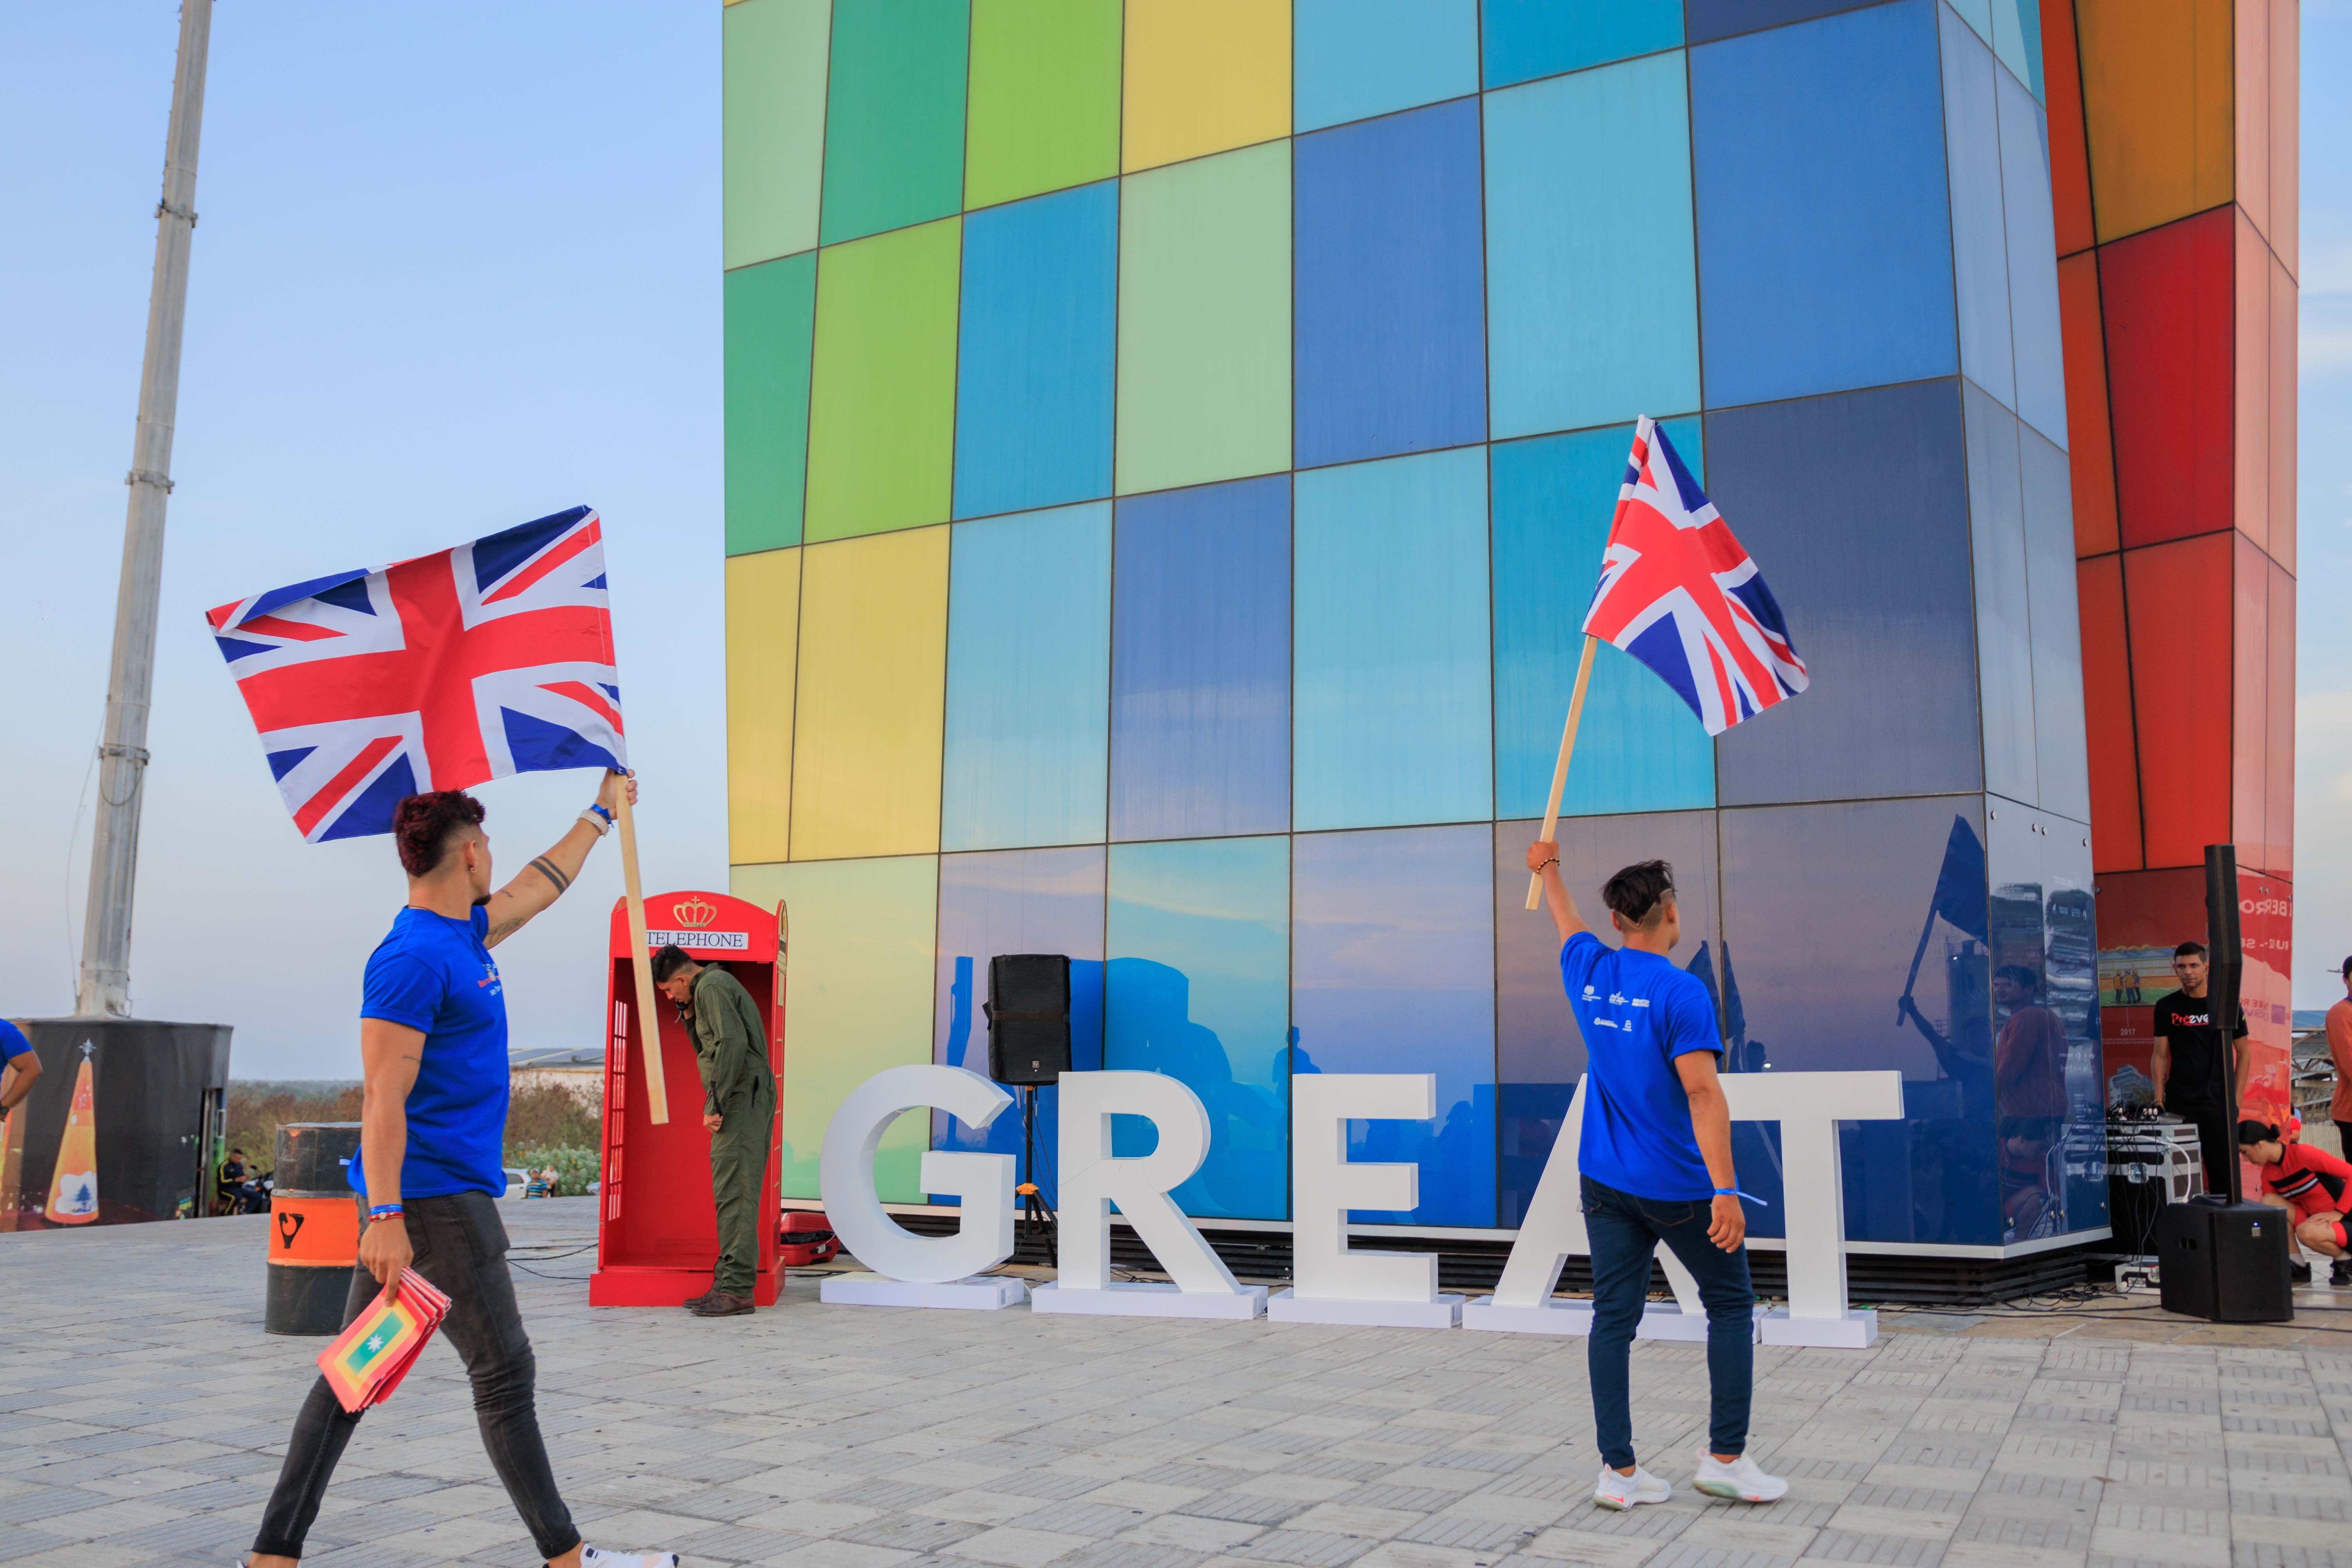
point(2279, 539)
point(2249, 690)
point(2090, 456)
point(2170, 313)
point(2070, 164)
point(2250, 508)
point(2177, 596)
point(2108, 717)
point(2278, 821)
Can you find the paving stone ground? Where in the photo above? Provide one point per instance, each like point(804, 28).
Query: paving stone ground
point(142, 1411)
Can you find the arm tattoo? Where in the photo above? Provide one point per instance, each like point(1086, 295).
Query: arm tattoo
point(546, 868)
point(500, 931)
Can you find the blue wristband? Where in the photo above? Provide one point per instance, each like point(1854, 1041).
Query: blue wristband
point(1736, 1193)
point(600, 810)
point(386, 1211)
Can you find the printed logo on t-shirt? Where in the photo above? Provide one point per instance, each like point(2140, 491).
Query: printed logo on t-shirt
point(490, 978)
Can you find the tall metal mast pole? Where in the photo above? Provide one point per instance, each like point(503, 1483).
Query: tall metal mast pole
point(104, 987)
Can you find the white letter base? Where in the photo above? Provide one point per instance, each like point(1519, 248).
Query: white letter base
point(1857, 1330)
point(980, 1293)
point(1145, 1300)
point(1660, 1319)
point(1290, 1307)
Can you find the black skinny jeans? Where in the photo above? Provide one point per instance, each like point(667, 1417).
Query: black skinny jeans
point(461, 1246)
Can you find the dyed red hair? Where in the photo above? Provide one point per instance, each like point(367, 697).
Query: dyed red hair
point(422, 825)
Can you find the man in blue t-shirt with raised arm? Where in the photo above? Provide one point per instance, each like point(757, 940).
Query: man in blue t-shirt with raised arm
point(1655, 1159)
point(19, 1068)
point(431, 1162)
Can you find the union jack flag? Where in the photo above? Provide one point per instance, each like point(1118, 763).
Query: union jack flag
point(1680, 593)
point(494, 657)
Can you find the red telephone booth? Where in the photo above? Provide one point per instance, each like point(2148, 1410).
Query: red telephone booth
point(656, 1232)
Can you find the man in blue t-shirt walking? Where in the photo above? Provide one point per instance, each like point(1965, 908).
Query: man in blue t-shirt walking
point(1655, 1159)
point(431, 1162)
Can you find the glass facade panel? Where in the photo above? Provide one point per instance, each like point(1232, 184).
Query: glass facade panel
point(2060, 758)
point(2167, 300)
point(1391, 340)
point(1524, 39)
point(2156, 110)
point(2004, 631)
point(894, 115)
point(770, 321)
point(1392, 970)
point(763, 613)
point(1200, 738)
point(1589, 321)
point(1637, 746)
point(1044, 97)
point(2108, 726)
point(772, 123)
point(1033, 379)
point(2032, 275)
point(1203, 76)
point(882, 423)
point(1028, 702)
point(1393, 717)
point(1356, 58)
point(1197, 986)
point(1972, 159)
point(1708, 19)
point(2180, 593)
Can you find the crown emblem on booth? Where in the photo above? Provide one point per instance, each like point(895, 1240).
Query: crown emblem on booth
point(693, 913)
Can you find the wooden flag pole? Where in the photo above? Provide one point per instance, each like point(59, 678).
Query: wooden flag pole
point(1560, 768)
point(641, 961)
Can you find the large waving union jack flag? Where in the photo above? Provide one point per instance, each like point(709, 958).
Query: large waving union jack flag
point(1681, 594)
point(494, 657)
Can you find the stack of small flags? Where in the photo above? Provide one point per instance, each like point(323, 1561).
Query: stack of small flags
point(367, 1363)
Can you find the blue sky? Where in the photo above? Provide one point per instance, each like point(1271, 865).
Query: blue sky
point(458, 267)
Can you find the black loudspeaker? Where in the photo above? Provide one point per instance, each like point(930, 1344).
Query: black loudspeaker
point(2225, 1262)
point(1028, 1010)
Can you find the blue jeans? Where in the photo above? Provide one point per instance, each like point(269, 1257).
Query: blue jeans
point(1625, 1231)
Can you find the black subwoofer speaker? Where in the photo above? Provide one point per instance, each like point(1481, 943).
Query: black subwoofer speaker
point(2225, 1262)
point(1028, 1010)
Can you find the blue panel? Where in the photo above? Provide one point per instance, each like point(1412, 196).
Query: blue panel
point(2044, 1008)
point(1198, 986)
point(1593, 296)
point(1538, 1050)
point(1856, 509)
point(1353, 58)
point(2059, 748)
point(1027, 900)
point(1708, 20)
point(2017, 40)
point(1824, 246)
point(1200, 662)
point(1638, 748)
point(1393, 718)
point(2004, 640)
point(1980, 247)
point(1823, 907)
point(2032, 261)
point(1028, 699)
point(1528, 38)
point(1034, 377)
point(1390, 307)
point(1392, 955)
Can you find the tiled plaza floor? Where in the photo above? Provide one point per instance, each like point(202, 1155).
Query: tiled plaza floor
point(142, 1410)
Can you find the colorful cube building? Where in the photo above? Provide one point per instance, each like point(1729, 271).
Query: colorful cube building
point(1169, 450)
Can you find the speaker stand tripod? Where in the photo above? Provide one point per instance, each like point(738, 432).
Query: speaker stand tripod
point(1035, 1218)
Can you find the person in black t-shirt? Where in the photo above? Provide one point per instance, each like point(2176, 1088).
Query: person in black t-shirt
point(2190, 1062)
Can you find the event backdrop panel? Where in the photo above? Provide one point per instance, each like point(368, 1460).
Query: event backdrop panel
point(1206, 417)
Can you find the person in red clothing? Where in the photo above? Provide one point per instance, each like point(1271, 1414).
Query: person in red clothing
point(2029, 1088)
point(2339, 1047)
point(2309, 1183)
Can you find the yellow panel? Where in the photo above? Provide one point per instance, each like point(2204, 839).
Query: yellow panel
point(873, 679)
point(1203, 76)
point(764, 612)
point(857, 998)
point(2157, 105)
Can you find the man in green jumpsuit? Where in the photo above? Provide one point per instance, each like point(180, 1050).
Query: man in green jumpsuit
point(739, 1105)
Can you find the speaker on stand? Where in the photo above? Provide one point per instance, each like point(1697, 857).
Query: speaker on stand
point(1028, 1011)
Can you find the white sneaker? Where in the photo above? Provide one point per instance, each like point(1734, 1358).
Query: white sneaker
point(1621, 1493)
point(600, 1557)
point(1741, 1480)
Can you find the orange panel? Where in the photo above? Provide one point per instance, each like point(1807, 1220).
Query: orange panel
point(2156, 108)
point(2278, 825)
point(2284, 304)
point(2177, 597)
point(2251, 48)
point(2249, 690)
point(2286, 136)
point(2070, 167)
point(2250, 463)
point(2108, 717)
point(2090, 444)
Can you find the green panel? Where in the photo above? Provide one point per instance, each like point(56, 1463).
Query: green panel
point(772, 125)
point(771, 313)
point(1044, 97)
point(894, 115)
point(860, 1000)
point(882, 423)
point(1204, 320)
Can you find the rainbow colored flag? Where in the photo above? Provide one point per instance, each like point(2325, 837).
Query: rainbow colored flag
point(368, 1360)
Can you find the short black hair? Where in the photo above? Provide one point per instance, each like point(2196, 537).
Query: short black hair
point(2257, 1132)
point(2021, 976)
point(2348, 969)
point(669, 961)
point(1636, 892)
point(2192, 950)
